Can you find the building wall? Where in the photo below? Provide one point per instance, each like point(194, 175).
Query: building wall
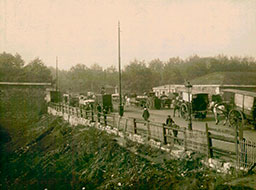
point(210, 89)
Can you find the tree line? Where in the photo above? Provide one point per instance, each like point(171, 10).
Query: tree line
point(137, 77)
point(14, 69)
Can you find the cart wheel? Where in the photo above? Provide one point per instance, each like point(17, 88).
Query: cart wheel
point(184, 111)
point(236, 117)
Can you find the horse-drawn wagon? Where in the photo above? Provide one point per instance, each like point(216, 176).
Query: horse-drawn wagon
point(243, 106)
point(199, 103)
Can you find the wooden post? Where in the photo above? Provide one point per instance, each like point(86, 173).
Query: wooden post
point(185, 139)
point(135, 126)
point(114, 121)
point(209, 142)
point(126, 123)
point(86, 114)
point(164, 134)
point(81, 112)
point(92, 116)
point(77, 112)
point(236, 144)
point(105, 119)
point(149, 133)
point(118, 124)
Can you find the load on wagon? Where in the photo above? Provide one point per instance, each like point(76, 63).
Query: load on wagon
point(199, 104)
point(105, 101)
point(243, 106)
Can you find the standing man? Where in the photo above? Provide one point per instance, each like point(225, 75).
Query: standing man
point(177, 105)
point(169, 121)
point(145, 114)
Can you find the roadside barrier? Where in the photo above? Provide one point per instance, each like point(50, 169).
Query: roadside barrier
point(242, 152)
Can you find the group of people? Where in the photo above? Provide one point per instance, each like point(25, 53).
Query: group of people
point(169, 122)
point(101, 111)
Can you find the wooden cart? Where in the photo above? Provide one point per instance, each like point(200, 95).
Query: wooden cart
point(244, 106)
point(199, 103)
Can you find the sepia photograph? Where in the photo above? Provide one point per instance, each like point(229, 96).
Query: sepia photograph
point(127, 94)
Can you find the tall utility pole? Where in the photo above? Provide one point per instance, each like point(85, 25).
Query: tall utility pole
point(121, 109)
point(189, 87)
point(57, 73)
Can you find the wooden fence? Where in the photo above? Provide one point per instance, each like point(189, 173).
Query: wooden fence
point(234, 149)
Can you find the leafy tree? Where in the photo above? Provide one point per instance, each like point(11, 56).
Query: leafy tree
point(36, 71)
point(137, 77)
point(172, 75)
point(157, 68)
point(10, 67)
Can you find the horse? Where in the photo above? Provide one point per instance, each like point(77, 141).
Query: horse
point(220, 109)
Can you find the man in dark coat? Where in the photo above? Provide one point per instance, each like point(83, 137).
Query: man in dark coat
point(145, 114)
point(169, 121)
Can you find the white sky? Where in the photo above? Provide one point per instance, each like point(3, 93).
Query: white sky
point(85, 31)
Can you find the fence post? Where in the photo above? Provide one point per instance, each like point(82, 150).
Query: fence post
point(77, 112)
point(236, 144)
point(185, 139)
point(118, 124)
point(149, 133)
point(126, 123)
point(209, 142)
point(86, 114)
point(81, 112)
point(92, 116)
point(68, 113)
point(105, 119)
point(114, 119)
point(135, 126)
point(164, 134)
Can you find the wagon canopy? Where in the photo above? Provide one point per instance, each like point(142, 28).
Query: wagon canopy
point(243, 99)
point(243, 92)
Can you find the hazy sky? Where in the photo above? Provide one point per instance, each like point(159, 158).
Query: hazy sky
point(85, 31)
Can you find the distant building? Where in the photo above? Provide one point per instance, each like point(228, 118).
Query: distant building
point(213, 83)
point(210, 89)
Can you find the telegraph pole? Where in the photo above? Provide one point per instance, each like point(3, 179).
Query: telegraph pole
point(121, 109)
point(57, 77)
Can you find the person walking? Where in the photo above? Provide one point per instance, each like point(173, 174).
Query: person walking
point(145, 114)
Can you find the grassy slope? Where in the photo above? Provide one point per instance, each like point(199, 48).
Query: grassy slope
point(239, 78)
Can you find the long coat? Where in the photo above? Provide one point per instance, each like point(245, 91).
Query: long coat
point(145, 114)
